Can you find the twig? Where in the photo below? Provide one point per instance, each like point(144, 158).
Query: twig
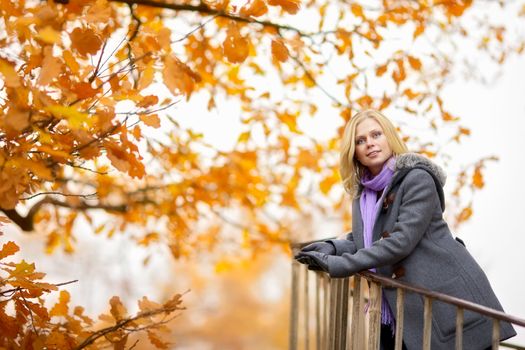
point(86, 196)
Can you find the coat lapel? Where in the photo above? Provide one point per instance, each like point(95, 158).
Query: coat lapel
point(357, 229)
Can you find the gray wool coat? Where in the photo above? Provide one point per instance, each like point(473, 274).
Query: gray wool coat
point(412, 243)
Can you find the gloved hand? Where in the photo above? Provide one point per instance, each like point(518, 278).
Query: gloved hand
point(315, 260)
point(321, 247)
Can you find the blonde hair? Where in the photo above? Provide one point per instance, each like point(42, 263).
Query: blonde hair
point(350, 168)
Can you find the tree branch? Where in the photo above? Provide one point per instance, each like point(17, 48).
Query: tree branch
point(202, 8)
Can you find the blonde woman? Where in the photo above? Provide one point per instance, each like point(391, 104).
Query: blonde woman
point(399, 232)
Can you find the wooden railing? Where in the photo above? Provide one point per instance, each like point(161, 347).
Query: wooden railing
point(327, 314)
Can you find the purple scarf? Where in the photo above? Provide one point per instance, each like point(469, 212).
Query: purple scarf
point(369, 204)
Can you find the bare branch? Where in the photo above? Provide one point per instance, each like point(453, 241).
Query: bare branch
point(86, 196)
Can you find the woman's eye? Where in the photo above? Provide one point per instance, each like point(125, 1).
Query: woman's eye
point(360, 142)
point(376, 134)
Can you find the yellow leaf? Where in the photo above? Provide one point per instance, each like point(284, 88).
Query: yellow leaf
point(71, 62)
point(243, 137)
point(61, 308)
point(49, 35)
point(71, 114)
point(279, 50)
point(8, 249)
point(235, 46)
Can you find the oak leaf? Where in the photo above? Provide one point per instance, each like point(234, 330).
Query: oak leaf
point(235, 46)
point(254, 8)
point(290, 6)
point(8, 249)
point(279, 50)
point(61, 308)
point(51, 67)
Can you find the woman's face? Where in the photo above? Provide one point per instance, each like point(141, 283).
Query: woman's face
point(371, 146)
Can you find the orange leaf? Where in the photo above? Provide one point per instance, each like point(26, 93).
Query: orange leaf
point(85, 41)
point(118, 310)
point(156, 341)
point(147, 305)
point(414, 62)
point(465, 214)
point(290, 6)
point(254, 8)
point(51, 67)
point(8, 249)
point(152, 120)
point(419, 30)
point(84, 90)
point(61, 308)
point(178, 77)
point(477, 178)
point(357, 10)
point(148, 101)
point(11, 78)
point(279, 50)
point(235, 46)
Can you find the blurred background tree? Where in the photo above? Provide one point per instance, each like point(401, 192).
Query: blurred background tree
point(105, 107)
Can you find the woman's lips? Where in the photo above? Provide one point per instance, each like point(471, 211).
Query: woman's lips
point(372, 154)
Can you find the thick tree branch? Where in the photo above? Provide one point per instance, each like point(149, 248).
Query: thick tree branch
point(202, 8)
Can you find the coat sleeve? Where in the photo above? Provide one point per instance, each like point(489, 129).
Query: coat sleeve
point(418, 202)
point(346, 245)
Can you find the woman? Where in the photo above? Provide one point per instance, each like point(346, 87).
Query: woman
point(399, 231)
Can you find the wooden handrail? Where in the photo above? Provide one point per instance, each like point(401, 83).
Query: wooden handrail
point(334, 314)
point(465, 304)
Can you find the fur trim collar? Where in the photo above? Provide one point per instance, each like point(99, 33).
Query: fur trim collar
point(410, 160)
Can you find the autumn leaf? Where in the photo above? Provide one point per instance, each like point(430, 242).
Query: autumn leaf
point(465, 214)
point(290, 6)
point(11, 78)
point(477, 178)
point(61, 308)
point(178, 77)
point(357, 10)
point(235, 46)
point(279, 50)
point(152, 120)
point(85, 41)
point(255, 8)
point(118, 311)
point(8, 249)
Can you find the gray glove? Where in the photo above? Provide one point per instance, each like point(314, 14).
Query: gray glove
point(321, 247)
point(314, 259)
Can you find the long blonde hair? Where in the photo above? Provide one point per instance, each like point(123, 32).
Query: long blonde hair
point(350, 168)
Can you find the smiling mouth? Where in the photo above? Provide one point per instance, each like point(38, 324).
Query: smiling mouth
point(373, 153)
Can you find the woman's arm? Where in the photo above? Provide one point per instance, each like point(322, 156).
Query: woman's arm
point(418, 203)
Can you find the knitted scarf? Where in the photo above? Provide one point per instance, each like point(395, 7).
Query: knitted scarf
point(369, 204)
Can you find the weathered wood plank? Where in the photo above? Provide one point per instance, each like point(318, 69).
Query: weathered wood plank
point(427, 323)
point(400, 314)
point(459, 328)
point(374, 310)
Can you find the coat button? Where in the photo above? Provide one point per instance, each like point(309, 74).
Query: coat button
point(385, 234)
point(398, 272)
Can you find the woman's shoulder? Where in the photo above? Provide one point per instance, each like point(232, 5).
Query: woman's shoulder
point(412, 166)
